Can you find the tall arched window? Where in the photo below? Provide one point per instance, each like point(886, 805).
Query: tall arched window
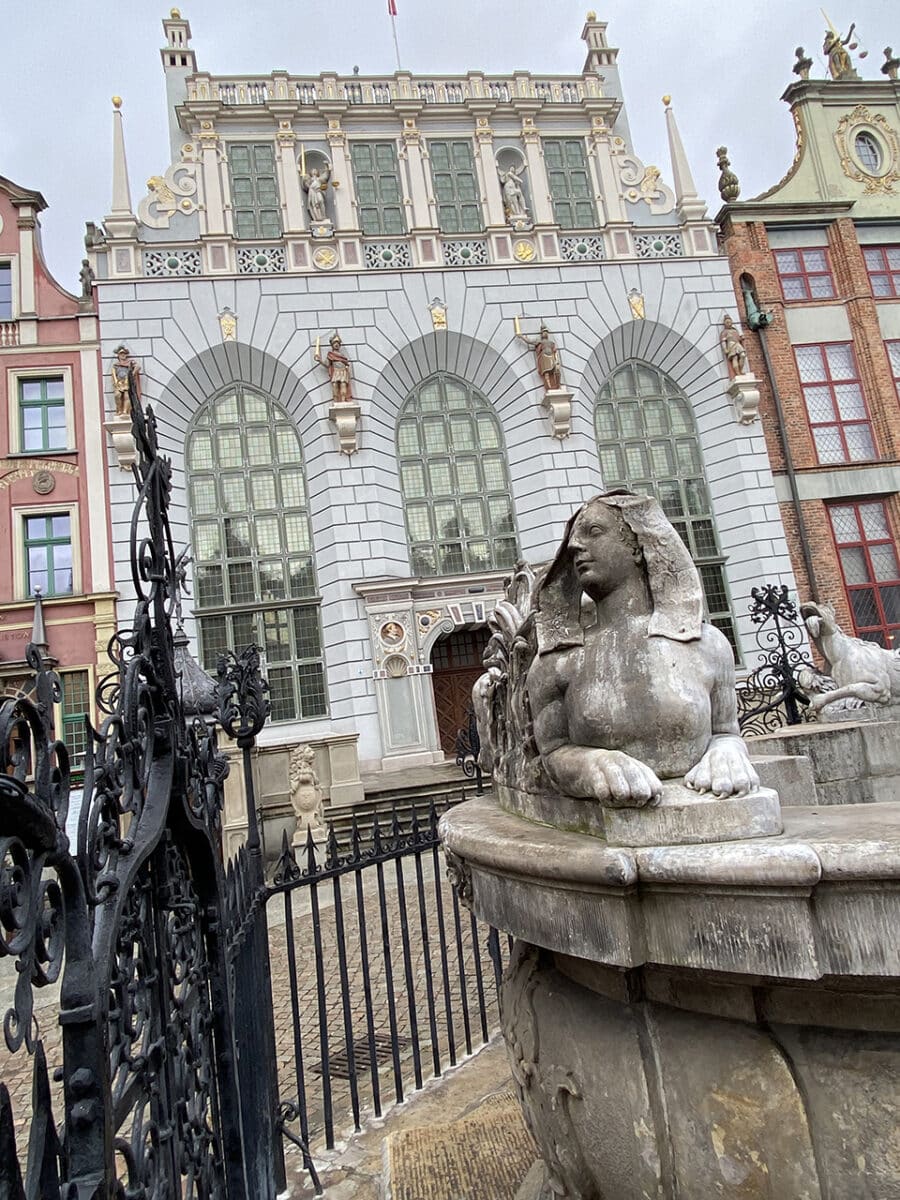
point(254, 581)
point(456, 494)
point(648, 442)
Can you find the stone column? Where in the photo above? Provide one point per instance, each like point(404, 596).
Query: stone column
point(487, 169)
point(418, 177)
point(537, 173)
point(213, 220)
point(342, 177)
point(289, 179)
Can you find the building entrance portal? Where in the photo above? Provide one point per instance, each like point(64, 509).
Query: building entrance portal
point(456, 663)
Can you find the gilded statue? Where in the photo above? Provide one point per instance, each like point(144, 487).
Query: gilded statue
point(123, 372)
point(835, 49)
point(644, 691)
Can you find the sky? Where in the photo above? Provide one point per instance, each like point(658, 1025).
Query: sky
point(725, 66)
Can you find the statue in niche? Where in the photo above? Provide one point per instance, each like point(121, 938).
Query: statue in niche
point(733, 348)
point(546, 358)
point(834, 47)
point(314, 184)
point(513, 193)
point(337, 364)
point(86, 275)
point(306, 795)
point(124, 370)
point(646, 691)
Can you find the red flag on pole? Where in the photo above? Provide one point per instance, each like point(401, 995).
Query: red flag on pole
point(392, 8)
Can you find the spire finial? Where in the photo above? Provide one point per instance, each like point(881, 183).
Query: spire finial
point(38, 627)
point(121, 221)
point(690, 206)
point(729, 187)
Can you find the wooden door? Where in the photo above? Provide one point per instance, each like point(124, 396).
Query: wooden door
point(456, 662)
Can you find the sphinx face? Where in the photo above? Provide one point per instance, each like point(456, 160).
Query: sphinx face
point(600, 557)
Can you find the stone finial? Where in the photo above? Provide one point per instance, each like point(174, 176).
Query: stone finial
point(891, 63)
point(729, 187)
point(803, 64)
point(690, 206)
point(121, 221)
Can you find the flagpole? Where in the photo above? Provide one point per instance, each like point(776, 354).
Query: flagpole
point(396, 43)
point(392, 13)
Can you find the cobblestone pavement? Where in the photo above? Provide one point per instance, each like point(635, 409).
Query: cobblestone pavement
point(460, 1016)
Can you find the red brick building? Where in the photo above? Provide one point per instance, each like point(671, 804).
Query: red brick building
point(816, 263)
point(54, 507)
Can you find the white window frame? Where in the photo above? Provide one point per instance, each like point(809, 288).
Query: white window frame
point(14, 375)
point(13, 261)
point(20, 572)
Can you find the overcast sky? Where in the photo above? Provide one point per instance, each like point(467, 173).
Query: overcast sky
point(725, 65)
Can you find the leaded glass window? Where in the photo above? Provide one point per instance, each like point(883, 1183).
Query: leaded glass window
point(254, 579)
point(377, 186)
point(6, 308)
point(455, 187)
point(570, 183)
point(648, 442)
point(254, 190)
point(455, 485)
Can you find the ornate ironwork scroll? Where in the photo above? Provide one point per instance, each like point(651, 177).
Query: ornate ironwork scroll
point(772, 695)
point(468, 751)
point(132, 923)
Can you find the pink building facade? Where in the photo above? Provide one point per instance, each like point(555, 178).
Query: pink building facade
point(54, 510)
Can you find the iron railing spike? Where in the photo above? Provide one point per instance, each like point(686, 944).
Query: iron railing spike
point(332, 849)
point(311, 866)
point(354, 839)
point(377, 844)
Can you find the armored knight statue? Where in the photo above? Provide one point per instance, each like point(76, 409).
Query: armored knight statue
point(733, 348)
point(546, 356)
point(123, 371)
point(337, 364)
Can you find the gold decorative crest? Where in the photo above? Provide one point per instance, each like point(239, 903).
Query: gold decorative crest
point(524, 251)
point(860, 120)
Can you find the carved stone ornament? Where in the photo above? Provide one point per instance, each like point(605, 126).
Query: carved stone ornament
point(643, 184)
point(345, 417)
point(558, 403)
point(861, 120)
point(306, 795)
point(228, 325)
point(601, 677)
point(122, 436)
point(169, 194)
point(460, 875)
point(43, 482)
point(744, 393)
point(860, 672)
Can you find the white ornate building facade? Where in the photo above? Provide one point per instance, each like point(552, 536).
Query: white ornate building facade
point(362, 541)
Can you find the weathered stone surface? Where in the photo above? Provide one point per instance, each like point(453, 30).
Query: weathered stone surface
point(790, 775)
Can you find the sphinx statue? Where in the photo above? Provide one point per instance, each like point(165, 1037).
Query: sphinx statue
point(605, 688)
point(860, 672)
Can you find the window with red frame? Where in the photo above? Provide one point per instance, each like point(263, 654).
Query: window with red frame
point(835, 403)
point(804, 274)
point(868, 555)
point(893, 349)
point(883, 265)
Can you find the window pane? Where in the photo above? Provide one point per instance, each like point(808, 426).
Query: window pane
point(251, 540)
point(856, 569)
point(447, 464)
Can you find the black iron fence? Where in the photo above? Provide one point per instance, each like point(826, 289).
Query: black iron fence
point(381, 979)
point(774, 694)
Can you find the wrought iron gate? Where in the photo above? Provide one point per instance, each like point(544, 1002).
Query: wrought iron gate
point(161, 1039)
point(167, 1082)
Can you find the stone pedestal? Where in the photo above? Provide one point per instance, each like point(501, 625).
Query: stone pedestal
point(744, 393)
point(699, 1020)
point(119, 430)
point(558, 403)
point(345, 415)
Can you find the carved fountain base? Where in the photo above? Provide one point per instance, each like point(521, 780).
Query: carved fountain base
point(699, 1020)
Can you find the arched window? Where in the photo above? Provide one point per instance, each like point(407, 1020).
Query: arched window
point(648, 442)
point(254, 581)
point(456, 494)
